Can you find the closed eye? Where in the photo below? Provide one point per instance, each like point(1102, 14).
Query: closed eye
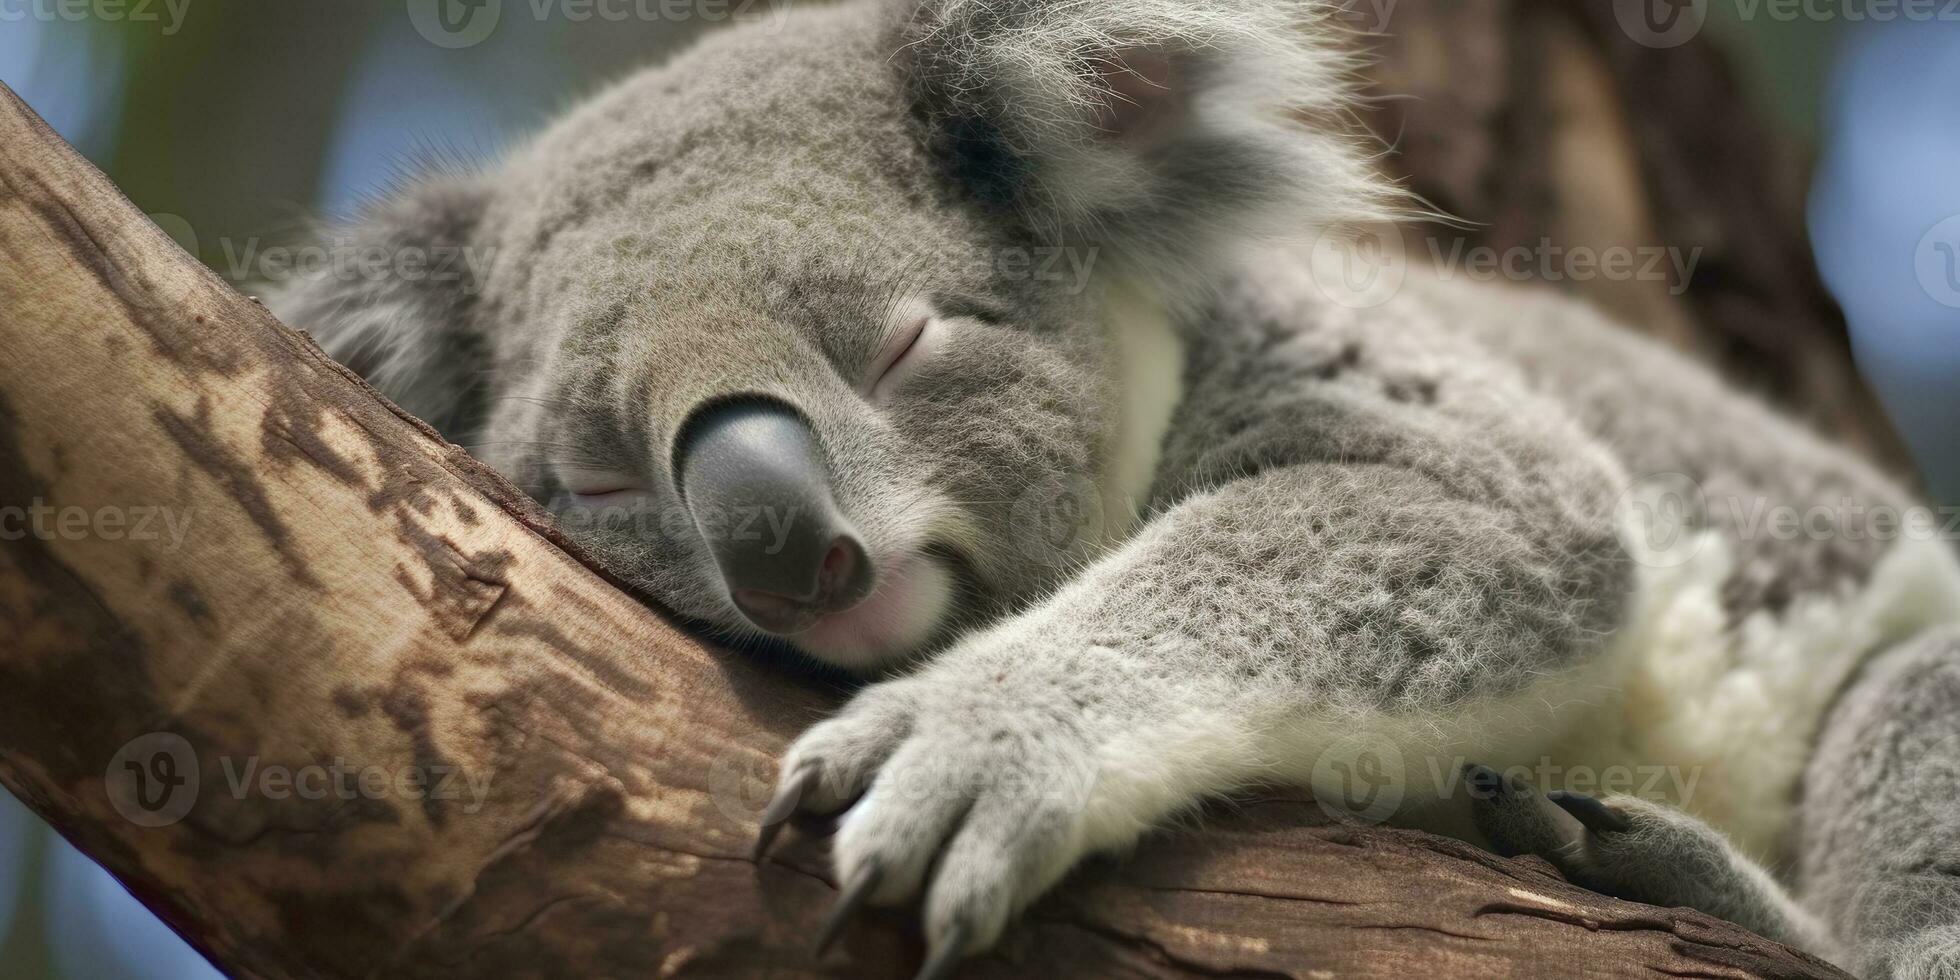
point(597, 486)
point(954, 306)
point(903, 353)
point(604, 496)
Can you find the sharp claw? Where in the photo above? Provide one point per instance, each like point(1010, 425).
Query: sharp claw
point(1597, 816)
point(764, 839)
point(946, 955)
point(793, 789)
point(855, 893)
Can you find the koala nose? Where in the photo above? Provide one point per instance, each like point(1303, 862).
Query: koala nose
point(754, 479)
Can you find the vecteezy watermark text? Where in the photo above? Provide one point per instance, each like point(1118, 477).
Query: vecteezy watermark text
point(469, 268)
point(1368, 16)
point(345, 259)
point(342, 780)
point(1558, 263)
point(155, 779)
point(1667, 514)
point(46, 522)
point(466, 23)
point(1072, 265)
point(1364, 779)
point(169, 13)
point(1365, 267)
point(640, 517)
point(1647, 781)
point(1670, 23)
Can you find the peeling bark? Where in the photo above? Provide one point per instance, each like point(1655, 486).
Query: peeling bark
point(353, 594)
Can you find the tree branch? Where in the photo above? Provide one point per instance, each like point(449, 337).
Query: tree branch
point(294, 599)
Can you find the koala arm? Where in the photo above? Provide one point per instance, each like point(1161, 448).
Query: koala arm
point(1427, 593)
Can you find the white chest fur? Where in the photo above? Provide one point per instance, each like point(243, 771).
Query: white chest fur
point(1149, 361)
point(1729, 713)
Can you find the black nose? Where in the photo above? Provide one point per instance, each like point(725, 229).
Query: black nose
point(756, 484)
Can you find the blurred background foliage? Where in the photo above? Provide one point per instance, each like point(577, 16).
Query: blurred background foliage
point(243, 119)
point(249, 117)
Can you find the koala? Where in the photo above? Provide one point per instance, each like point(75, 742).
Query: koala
point(995, 351)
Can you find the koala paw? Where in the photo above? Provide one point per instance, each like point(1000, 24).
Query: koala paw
point(1637, 850)
point(957, 791)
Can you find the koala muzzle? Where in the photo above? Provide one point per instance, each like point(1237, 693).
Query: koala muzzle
point(755, 481)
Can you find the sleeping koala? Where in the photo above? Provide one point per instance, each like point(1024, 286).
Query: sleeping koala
point(974, 345)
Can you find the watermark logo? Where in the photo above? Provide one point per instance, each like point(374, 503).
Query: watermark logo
point(1359, 779)
point(1661, 23)
point(1937, 262)
point(1367, 16)
point(179, 230)
point(153, 779)
point(1937, 774)
point(455, 24)
point(1058, 519)
point(131, 261)
point(1360, 268)
point(741, 784)
point(1664, 515)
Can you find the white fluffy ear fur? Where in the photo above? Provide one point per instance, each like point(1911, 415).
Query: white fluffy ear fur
point(1163, 128)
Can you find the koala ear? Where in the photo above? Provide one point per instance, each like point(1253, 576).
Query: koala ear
point(394, 299)
point(1155, 126)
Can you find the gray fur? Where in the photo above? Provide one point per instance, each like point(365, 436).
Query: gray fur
point(1661, 415)
point(1037, 91)
point(413, 337)
point(1661, 857)
point(1392, 522)
point(1880, 848)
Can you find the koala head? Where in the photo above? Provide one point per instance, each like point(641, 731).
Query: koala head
point(822, 333)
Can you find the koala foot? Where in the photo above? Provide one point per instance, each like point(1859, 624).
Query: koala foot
point(1637, 850)
point(954, 795)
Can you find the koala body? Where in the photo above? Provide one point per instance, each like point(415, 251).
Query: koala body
point(974, 343)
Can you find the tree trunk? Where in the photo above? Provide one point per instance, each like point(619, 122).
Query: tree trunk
point(335, 700)
point(1547, 127)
